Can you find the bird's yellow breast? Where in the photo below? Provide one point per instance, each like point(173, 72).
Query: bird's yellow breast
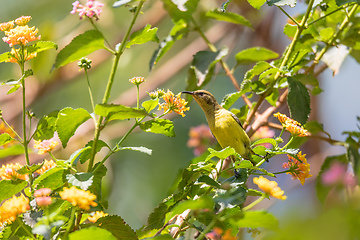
point(228, 132)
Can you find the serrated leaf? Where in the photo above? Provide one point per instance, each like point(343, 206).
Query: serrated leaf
point(118, 227)
point(335, 57)
point(85, 155)
point(256, 219)
point(209, 181)
point(259, 68)
point(256, 3)
point(9, 188)
point(68, 121)
point(150, 104)
point(41, 46)
point(12, 150)
point(52, 178)
point(91, 233)
point(160, 126)
point(180, 9)
point(204, 202)
point(29, 169)
point(222, 154)
point(97, 181)
point(157, 217)
point(203, 64)
point(314, 127)
point(280, 3)
point(75, 156)
point(122, 3)
point(265, 140)
point(5, 56)
point(230, 99)
point(142, 36)
point(119, 112)
point(298, 101)
point(79, 47)
point(5, 138)
point(138, 149)
point(255, 54)
point(234, 196)
point(81, 180)
point(228, 17)
point(46, 126)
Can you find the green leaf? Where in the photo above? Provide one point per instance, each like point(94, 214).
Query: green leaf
point(290, 30)
point(138, 149)
point(157, 217)
point(342, 2)
point(335, 57)
point(256, 3)
point(117, 226)
point(9, 188)
point(230, 99)
point(81, 180)
point(180, 9)
point(228, 17)
point(256, 219)
point(160, 126)
point(259, 68)
point(234, 196)
point(5, 56)
point(31, 169)
point(41, 46)
point(204, 202)
point(5, 138)
point(68, 121)
point(209, 181)
point(298, 101)
point(85, 155)
point(255, 54)
point(203, 64)
point(280, 3)
point(119, 112)
point(97, 182)
point(12, 150)
point(142, 36)
point(79, 47)
point(46, 126)
point(265, 140)
point(314, 127)
point(91, 233)
point(222, 154)
point(326, 34)
point(52, 178)
point(150, 104)
point(122, 3)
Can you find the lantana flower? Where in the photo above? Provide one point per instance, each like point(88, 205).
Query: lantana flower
point(45, 146)
point(299, 170)
point(42, 197)
point(13, 207)
point(291, 125)
point(78, 197)
point(338, 174)
point(21, 35)
point(137, 80)
point(92, 9)
point(174, 103)
point(157, 94)
point(8, 172)
point(269, 187)
point(46, 166)
point(96, 216)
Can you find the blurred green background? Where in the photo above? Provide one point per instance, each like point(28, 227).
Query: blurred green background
point(136, 183)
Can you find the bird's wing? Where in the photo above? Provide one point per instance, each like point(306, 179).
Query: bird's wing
point(236, 119)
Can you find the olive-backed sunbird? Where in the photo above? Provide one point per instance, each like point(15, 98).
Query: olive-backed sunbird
point(224, 125)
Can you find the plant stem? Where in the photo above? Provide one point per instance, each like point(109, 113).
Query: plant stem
point(89, 89)
point(292, 19)
point(110, 82)
point(254, 203)
point(71, 222)
point(7, 124)
point(107, 42)
point(21, 223)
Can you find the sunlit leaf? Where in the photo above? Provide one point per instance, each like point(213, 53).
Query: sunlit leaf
point(161, 126)
point(255, 54)
point(9, 188)
point(46, 126)
point(256, 219)
point(180, 9)
point(5, 138)
point(118, 227)
point(142, 36)
point(256, 3)
point(119, 112)
point(280, 3)
point(138, 149)
point(122, 3)
point(92, 233)
point(335, 57)
point(150, 104)
point(228, 17)
point(81, 180)
point(41, 46)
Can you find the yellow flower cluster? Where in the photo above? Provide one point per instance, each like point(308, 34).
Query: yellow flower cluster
point(299, 170)
point(292, 126)
point(270, 187)
point(45, 146)
point(96, 216)
point(11, 208)
point(21, 34)
point(8, 172)
point(46, 166)
point(174, 103)
point(78, 197)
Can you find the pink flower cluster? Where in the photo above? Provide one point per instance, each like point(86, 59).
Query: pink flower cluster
point(92, 9)
point(339, 174)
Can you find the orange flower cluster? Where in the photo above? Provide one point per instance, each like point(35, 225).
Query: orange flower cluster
point(78, 197)
point(15, 53)
point(174, 103)
point(292, 126)
point(8, 172)
point(21, 34)
point(45, 146)
point(270, 187)
point(11, 208)
point(299, 170)
point(97, 215)
point(42, 197)
point(46, 166)
point(217, 234)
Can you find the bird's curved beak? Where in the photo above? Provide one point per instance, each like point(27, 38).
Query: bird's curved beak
point(191, 93)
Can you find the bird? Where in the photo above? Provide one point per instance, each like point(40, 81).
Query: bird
point(224, 125)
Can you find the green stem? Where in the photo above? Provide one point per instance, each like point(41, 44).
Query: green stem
point(7, 124)
point(97, 29)
point(89, 89)
point(254, 203)
point(52, 156)
point(71, 222)
point(328, 14)
point(110, 82)
point(292, 19)
point(21, 223)
point(286, 171)
point(291, 139)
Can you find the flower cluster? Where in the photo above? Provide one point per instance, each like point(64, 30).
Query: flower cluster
point(11, 208)
point(96, 216)
point(299, 170)
point(159, 93)
point(270, 187)
point(174, 103)
point(21, 34)
point(8, 172)
point(45, 146)
point(137, 80)
point(42, 197)
point(291, 125)
point(338, 174)
point(92, 9)
point(218, 234)
point(78, 197)
point(46, 166)
point(200, 139)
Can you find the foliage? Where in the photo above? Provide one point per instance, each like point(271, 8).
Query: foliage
point(58, 196)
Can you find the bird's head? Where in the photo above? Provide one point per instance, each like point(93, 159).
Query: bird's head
point(205, 99)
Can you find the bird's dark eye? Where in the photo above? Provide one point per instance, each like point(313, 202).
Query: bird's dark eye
point(201, 93)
